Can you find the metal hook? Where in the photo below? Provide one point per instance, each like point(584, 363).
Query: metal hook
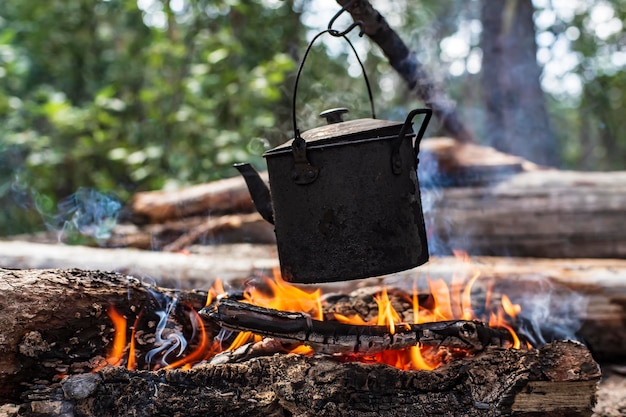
point(336, 33)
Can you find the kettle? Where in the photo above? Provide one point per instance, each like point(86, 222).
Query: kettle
point(344, 197)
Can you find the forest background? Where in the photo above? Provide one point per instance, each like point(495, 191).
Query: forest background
point(100, 99)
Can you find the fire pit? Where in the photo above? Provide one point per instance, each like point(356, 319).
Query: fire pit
point(364, 367)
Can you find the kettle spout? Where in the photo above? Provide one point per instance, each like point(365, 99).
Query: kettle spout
point(258, 190)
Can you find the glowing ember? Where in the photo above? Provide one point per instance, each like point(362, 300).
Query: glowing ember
point(443, 302)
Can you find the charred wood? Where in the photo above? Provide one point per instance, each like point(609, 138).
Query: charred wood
point(331, 337)
point(557, 380)
point(54, 322)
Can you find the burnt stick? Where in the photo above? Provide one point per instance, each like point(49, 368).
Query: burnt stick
point(332, 337)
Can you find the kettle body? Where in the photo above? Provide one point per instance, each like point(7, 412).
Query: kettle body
point(352, 209)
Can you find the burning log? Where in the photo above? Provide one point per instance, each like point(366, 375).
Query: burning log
point(342, 338)
point(599, 283)
point(54, 322)
point(45, 342)
point(558, 380)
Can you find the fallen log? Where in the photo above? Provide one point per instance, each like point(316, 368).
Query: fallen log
point(557, 380)
point(548, 214)
point(224, 196)
point(177, 270)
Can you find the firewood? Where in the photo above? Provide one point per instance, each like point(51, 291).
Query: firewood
point(54, 322)
point(342, 338)
point(224, 196)
point(594, 289)
point(559, 379)
point(545, 214)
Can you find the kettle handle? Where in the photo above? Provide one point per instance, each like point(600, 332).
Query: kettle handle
point(420, 134)
point(336, 34)
point(396, 162)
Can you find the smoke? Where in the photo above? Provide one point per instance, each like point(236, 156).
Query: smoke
point(431, 184)
point(88, 213)
point(551, 313)
point(168, 339)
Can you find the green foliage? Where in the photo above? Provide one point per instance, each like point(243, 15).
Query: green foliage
point(92, 96)
point(115, 97)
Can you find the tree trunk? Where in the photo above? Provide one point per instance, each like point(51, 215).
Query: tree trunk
point(517, 121)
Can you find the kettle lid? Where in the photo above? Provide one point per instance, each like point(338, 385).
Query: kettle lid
point(340, 132)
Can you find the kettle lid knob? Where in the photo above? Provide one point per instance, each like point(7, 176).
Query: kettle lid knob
point(334, 115)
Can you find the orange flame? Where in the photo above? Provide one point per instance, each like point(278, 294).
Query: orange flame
point(116, 354)
point(281, 296)
point(444, 302)
point(200, 352)
point(132, 353)
point(287, 297)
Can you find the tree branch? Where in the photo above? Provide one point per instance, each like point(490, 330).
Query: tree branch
point(405, 62)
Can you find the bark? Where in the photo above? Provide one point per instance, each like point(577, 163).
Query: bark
point(204, 199)
point(405, 62)
point(552, 214)
point(54, 322)
point(557, 380)
point(517, 121)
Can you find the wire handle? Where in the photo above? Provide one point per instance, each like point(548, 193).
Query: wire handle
point(336, 34)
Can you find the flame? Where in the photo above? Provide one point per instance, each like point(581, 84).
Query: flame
point(443, 302)
point(281, 295)
point(287, 297)
point(132, 352)
point(215, 291)
point(446, 302)
point(115, 356)
point(199, 353)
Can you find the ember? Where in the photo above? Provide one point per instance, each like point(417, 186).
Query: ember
point(393, 326)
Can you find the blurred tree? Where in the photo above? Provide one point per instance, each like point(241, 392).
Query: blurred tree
point(516, 119)
point(126, 95)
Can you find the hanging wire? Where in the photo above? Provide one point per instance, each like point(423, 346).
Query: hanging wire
point(336, 34)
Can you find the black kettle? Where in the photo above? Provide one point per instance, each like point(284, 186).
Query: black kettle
point(344, 197)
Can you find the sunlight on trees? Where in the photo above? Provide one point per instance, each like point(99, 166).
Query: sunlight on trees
point(128, 95)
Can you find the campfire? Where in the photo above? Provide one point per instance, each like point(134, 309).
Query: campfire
point(266, 346)
point(420, 330)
